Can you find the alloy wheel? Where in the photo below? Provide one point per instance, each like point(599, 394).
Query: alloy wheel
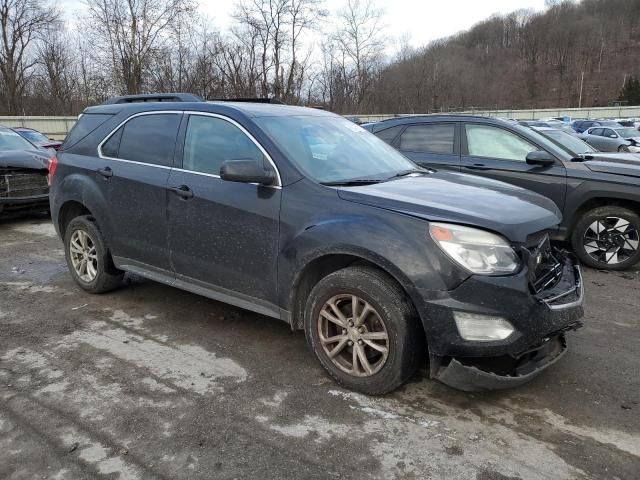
point(353, 335)
point(84, 257)
point(611, 240)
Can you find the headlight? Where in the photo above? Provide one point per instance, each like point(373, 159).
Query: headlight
point(476, 250)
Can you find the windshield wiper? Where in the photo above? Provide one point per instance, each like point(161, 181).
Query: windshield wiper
point(404, 173)
point(351, 182)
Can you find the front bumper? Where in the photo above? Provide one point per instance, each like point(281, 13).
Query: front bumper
point(540, 318)
point(35, 202)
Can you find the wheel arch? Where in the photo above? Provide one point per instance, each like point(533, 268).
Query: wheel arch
point(601, 201)
point(322, 265)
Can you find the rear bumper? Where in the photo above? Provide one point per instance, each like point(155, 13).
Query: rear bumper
point(540, 321)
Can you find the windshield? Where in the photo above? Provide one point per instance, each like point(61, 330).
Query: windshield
point(628, 132)
point(573, 145)
point(33, 135)
point(334, 150)
point(10, 140)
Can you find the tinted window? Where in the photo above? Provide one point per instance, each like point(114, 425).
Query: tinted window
point(428, 138)
point(485, 141)
point(86, 124)
point(595, 131)
point(110, 147)
point(609, 133)
point(150, 139)
point(211, 141)
point(389, 134)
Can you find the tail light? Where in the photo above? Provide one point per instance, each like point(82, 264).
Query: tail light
point(52, 166)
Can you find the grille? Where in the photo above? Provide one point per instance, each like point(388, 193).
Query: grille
point(545, 265)
point(22, 184)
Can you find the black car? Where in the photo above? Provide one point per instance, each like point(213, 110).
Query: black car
point(301, 215)
point(23, 174)
point(37, 138)
point(597, 193)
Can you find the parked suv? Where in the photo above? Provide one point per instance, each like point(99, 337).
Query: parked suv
point(301, 215)
point(597, 193)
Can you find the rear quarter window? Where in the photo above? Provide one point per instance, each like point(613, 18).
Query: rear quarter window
point(86, 124)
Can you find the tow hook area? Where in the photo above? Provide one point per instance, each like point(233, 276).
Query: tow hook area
point(477, 374)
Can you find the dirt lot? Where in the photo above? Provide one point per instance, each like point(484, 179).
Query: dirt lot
point(153, 382)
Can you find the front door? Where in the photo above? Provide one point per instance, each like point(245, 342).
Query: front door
point(498, 153)
point(223, 236)
point(135, 163)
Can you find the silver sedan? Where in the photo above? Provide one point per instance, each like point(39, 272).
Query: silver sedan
point(607, 139)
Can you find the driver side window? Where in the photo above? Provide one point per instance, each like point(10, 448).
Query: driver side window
point(211, 141)
point(492, 142)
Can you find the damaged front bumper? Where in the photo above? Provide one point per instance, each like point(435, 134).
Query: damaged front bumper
point(541, 317)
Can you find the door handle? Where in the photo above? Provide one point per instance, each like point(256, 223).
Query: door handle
point(106, 172)
point(182, 191)
point(478, 166)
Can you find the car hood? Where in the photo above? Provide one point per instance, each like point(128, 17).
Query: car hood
point(615, 163)
point(33, 158)
point(453, 197)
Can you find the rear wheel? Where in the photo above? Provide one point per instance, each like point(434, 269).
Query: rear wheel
point(87, 257)
point(608, 238)
point(363, 330)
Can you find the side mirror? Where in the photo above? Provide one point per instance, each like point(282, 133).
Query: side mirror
point(613, 135)
point(246, 171)
point(540, 158)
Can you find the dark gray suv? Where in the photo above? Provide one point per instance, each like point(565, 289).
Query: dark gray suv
point(301, 215)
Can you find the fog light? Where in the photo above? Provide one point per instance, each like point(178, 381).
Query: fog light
point(482, 328)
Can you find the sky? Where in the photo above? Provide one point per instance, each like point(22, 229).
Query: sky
point(422, 21)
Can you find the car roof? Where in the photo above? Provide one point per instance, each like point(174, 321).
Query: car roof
point(438, 117)
point(249, 109)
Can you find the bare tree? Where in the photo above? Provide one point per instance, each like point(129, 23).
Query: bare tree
point(23, 22)
point(129, 31)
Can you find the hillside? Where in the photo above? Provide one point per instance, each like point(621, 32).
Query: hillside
point(522, 60)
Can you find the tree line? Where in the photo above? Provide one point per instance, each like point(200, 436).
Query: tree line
point(297, 51)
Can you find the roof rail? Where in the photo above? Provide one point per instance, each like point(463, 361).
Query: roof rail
point(250, 100)
point(154, 97)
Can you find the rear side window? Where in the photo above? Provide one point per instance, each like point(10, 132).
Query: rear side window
point(210, 141)
point(429, 138)
point(389, 134)
point(86, 124)
point(596, 131)
point(146, 139)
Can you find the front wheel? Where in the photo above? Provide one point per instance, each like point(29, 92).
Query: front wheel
point(608, 238)
point(623, 149)
point(364, 330)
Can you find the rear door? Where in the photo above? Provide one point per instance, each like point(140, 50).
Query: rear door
point(135, 161)
point(495, 152)
point(434, 145)
point(223, 235)
point(593, 137)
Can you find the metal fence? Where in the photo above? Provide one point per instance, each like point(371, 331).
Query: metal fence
point(58, 127)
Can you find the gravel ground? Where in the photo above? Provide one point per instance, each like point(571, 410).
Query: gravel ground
point(152, 382)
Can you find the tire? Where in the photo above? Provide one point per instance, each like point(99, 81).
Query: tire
point(392, 315)
point(602, 239)
point(623, 149)
point(106, 277)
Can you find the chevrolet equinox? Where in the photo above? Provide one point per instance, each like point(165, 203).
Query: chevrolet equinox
point(301, 215)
